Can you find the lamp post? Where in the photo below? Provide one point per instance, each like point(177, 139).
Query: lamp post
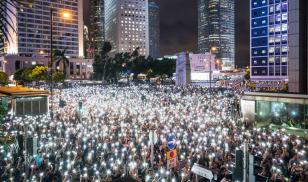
point(51, 62)
point(213, 49)
point(64, 14)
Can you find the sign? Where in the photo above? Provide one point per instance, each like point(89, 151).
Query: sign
point(153, 137)
point(171, 163)
point(202, 172)
point(171, 154)
point(171, 142)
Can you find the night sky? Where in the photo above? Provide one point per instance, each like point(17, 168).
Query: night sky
point(179, 25)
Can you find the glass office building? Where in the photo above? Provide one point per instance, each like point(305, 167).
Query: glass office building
point(269, 40)
point(216, 29)
point(96, 27)
point(154, 30)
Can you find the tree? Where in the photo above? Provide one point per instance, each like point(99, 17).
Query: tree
point(58, 77)
point(18, 75)
point(137, 64)
point(61, 59)
point(163, 67)
point(101, 61)
point(247, 74)
point(34, 73)
point(3, 78)
point(39, 73)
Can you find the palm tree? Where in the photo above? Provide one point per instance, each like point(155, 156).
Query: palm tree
point(6, 21)
point(60, 58)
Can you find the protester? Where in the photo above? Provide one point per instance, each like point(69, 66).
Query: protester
point(101, 133)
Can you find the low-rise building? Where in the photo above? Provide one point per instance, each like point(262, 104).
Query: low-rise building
point(21, 101)
point(195, 69)
point(77, 68)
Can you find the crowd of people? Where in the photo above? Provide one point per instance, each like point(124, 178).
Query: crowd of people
point(101, 133)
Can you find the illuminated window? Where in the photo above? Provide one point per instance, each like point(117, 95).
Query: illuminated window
point(284, 27)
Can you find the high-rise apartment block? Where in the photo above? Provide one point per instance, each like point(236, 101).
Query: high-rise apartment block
point(30, 42)
point(127, 26)
point(32, 25)
point(154, 30)
point(216, 20)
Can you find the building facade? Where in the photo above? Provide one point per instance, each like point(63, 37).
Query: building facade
point(216, 20)
point(32, 25)
point(30, 42)
point(298, 46)
point(127, 25)
point(96, 26)
point(154, 30)
point(269, 40)
point(279, 42)
point(195, 69)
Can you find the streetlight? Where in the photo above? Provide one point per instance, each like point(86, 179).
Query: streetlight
point(213, 49)
point(64, 14)
point(218, 64)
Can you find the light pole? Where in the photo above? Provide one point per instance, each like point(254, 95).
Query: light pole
point(213, 49)
point(64, 14)
point(51, 62)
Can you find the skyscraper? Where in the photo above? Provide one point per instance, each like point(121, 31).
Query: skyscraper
point(269, 40)
point(154, 30)
point(127, 26)
point(96, 27)
point(216, 29)
point(32, 25)
point(30, 42)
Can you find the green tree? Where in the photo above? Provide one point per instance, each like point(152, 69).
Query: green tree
point(163, 67)
point(137, 64)
point(19, 75)
point(3, 78)
point(39, 73)
point(61, 59)
point(247, 74)
point(33, 73)
point(58, 76)
point(101, 61)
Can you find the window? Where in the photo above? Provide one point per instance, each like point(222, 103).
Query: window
point(271, 40)
point(284, 38)
point(284, 16)
point(272, 29)
point(284, 59)
point(284, 27)
point(271, 9)
point(271, 50)
point(277, 28)
point(278, 39)
point(278, 17)
point(284, 49)
point(278, 7)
